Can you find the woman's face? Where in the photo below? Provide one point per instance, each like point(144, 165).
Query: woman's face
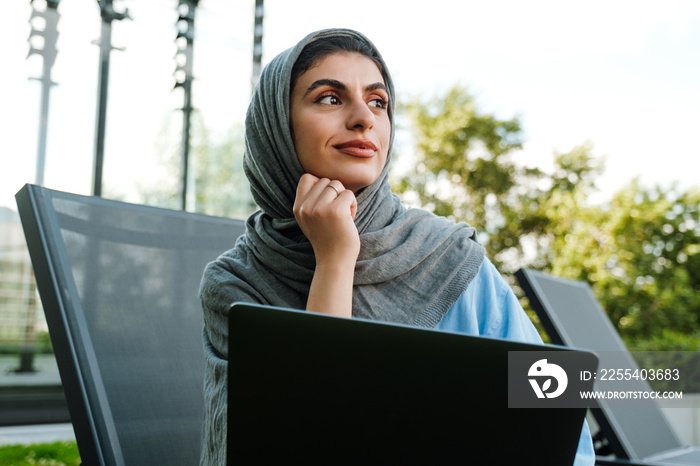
point(340, 120)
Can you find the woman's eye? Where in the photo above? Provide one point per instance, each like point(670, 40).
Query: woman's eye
point(329, 100)
point(379, 103)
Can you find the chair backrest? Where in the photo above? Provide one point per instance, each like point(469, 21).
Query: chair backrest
point(119, 286)
point(572, 316)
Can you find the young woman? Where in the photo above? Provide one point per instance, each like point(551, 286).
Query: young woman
point(330, 236)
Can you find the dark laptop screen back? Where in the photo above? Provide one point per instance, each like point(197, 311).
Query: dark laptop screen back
point(572, 316)
point(334, 391)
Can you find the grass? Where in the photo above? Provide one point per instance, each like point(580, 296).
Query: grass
point(44, 454)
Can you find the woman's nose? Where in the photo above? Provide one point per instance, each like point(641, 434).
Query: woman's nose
point(360, 116)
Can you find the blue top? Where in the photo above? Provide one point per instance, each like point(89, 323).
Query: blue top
point(488, 307)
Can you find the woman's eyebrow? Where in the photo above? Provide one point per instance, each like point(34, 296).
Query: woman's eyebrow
point(326, 82)
point(375, 86)
point(334, 83)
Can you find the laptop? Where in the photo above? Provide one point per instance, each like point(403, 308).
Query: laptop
point(572, 316)
point(329, 390)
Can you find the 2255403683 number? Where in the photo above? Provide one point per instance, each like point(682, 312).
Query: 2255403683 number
point(639, 374)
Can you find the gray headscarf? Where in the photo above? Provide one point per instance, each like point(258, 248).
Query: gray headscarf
point(412, 266)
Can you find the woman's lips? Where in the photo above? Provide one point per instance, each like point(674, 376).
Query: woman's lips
point(357, 148)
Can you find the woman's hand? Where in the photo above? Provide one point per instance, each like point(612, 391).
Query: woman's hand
point(325, 211)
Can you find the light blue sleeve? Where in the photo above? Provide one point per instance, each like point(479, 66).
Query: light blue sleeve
point(488, 307)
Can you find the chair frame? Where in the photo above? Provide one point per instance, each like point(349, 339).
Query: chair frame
point(90, 411)
point(560, 334)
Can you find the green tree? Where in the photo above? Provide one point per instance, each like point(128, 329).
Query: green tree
point(640, 251)
point(462, 168)
point(221, 188)
point(218, 184)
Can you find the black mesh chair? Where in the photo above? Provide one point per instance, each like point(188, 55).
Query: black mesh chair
point(119, 285)
point(572, 316)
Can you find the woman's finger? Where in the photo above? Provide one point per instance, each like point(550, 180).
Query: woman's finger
point(321, 200)
point(306, 184)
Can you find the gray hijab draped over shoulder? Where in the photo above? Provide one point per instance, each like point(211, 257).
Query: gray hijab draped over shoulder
point(412, 266)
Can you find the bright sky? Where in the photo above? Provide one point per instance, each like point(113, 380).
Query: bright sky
point(622, 74)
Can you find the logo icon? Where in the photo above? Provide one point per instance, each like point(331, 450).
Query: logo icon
point(543, 370)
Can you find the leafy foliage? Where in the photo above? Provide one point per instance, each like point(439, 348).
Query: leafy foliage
point(640, 251)
point(641, 256)
point(462, 168)
point(49, 454)
point(218, 182)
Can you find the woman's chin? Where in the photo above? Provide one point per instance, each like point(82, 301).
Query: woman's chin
point(358, 183)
